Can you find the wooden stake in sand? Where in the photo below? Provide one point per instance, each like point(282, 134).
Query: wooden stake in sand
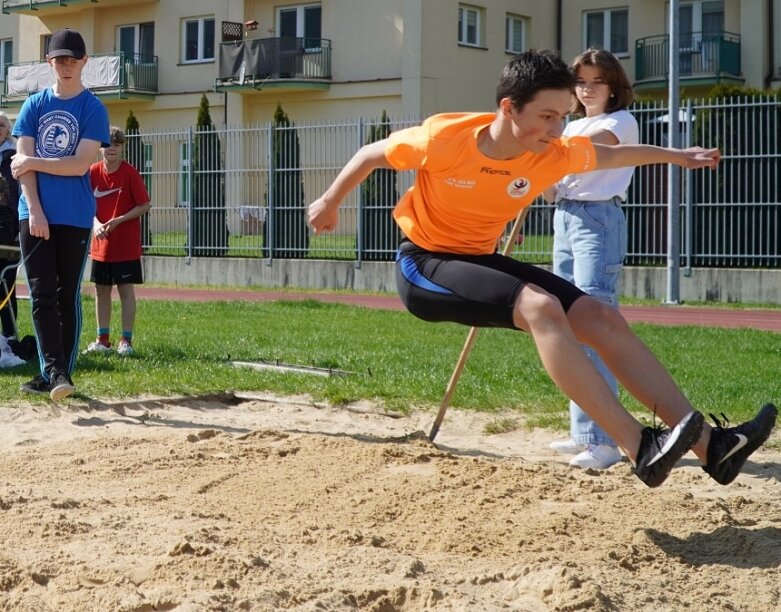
point(472, 336)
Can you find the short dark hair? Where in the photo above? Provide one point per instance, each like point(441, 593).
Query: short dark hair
point(612, 73)
point(531, 71)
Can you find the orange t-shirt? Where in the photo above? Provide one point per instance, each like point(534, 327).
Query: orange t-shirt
point(462, 200)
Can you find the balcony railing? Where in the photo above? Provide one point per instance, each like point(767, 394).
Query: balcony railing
point(701, 54)
point(107, 73)
point(34, 7)
point(258, 60)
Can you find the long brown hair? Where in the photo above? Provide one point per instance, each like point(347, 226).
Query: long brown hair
point(621, 94)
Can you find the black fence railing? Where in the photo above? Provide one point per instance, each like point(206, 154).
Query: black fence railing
point(260, 59)
point(699, 53)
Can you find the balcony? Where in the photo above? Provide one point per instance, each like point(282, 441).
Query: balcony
point(108, 75)
point(282, 62)
point(41, 8)
point(705, 59)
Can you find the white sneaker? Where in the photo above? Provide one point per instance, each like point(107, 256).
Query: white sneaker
point(597, 457)
point(98, 347)
point(124, 348)
point(567, 447)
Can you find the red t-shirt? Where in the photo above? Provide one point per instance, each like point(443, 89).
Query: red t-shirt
point(117, 193)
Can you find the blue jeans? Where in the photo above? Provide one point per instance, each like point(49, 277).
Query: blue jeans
point(589, 247)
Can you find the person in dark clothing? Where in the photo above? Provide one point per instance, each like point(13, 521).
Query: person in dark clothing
point(9, 228)
point(60, 131)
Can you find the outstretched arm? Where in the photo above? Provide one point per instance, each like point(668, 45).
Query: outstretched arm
point(605, 137)
point(324, 212)
point(619, 156)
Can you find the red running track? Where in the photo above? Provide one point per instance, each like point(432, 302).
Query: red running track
point(769, 320)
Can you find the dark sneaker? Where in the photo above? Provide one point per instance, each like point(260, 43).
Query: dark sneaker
point(37, 385)
point(61, 387)
point(730, 446)
point(661, 448)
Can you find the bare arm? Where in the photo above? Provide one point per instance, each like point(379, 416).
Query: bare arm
point(72, 165)
point(619, 156)
point(104, 229)
point(605, 137)
point(28, 183)
point(324, 212)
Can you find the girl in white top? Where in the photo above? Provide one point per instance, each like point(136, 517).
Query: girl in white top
point(590, 236)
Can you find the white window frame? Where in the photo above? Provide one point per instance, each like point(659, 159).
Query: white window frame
point(696, 6)
point(201, 21)
point(511, 21)
point(136, 27)
point(607, 28)
point(5, 43)
point(45, 40)
point(464, 11)
point(300, 22)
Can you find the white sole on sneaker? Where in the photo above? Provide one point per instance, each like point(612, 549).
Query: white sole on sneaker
point(567, 447)
point(60, 392)
point(597, 457)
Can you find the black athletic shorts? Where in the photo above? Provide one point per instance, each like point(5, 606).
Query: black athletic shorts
point(475, 290)
point(117, 272)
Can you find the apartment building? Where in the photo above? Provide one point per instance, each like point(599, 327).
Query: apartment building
point(319, 60)
point(331, 59)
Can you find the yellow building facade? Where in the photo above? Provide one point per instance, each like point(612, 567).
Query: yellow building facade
point(333, 59)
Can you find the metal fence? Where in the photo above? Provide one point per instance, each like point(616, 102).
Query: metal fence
point(242, 191)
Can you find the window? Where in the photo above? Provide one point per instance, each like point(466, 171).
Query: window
point(706, 16)
point(301, 22)
point(515, 34)
point(608, 29)
point(135, 41)
point(6, 55)
point(45, 40)
point(469, 25)
point(198, 39)
point(700, 26)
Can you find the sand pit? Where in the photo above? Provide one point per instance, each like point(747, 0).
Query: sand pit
point(272, 503)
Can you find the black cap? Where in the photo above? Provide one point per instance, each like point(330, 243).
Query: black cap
point(67, 42)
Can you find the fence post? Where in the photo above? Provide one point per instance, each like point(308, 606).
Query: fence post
point(269, 233)
point(190, 176)
point(688, 203)
point(359, 208)
point(674, 172)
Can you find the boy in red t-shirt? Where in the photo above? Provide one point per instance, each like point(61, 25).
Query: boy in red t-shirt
point(116, 248)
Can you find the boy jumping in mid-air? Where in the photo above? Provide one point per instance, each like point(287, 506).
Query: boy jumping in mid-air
point(476, 171)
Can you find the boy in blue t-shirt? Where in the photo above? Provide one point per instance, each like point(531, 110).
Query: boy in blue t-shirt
point(59, 131)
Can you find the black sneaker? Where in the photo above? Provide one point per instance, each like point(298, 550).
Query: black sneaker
point(37, 385)
point(730, 447)
point(61, 387)
point(661, 448)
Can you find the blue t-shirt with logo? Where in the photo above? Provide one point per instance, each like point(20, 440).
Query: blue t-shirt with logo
point(58, 126)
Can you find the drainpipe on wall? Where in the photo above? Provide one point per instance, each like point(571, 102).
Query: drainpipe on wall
point(770, 46)
point(558, 25)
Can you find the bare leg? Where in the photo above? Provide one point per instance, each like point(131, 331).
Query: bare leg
point(632, 363)
point(127, 297)
point(103, 305)
point(541, 315)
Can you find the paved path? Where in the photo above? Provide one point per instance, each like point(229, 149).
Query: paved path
point(660, 315)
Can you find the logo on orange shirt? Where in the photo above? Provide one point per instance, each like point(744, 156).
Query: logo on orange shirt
point(518, 187)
